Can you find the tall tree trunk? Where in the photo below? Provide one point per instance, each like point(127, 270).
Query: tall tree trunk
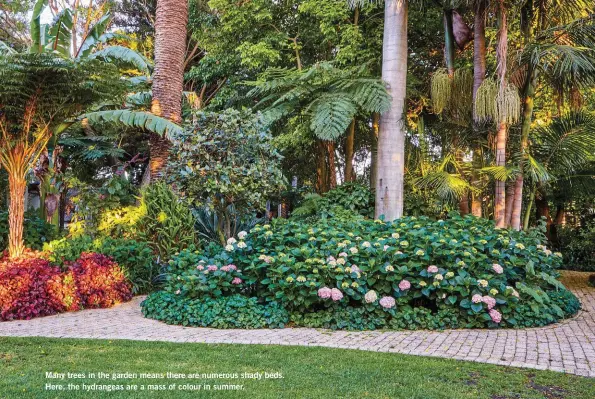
point(510, 190)
point(525, 130)
point(479, 74)
point(16, 211)
point(374, 149)
point(168, 78)
point(501, 55)
point(349, 144)
point(332, 166)
point(391, 141)
point(321, 168)
point(500, 194)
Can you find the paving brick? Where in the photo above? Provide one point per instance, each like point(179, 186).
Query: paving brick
point(566, 347)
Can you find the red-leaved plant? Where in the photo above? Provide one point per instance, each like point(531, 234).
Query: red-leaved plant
point(100, 282)
point(32, 287)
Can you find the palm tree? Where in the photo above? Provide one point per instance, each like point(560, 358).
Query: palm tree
point(168, 78)
point(566, 62)
point(390, 172)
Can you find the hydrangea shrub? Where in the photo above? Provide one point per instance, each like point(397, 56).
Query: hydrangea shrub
point(460, 272)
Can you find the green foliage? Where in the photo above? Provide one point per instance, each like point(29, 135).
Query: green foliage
point(226, 163)
point(347, 200)
point(228, 312)
point(134, 257)
point(99, 208)
point(37, 231)
point(330, 97)
point(167, 223)
point(578, 247)
point(364, 274)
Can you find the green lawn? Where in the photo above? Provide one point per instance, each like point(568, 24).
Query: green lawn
point(306, 372)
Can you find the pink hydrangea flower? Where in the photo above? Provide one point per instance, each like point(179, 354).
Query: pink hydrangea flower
point(488, 300)
point(331, 259)
point(325, 293)
point(212, 268)
point(495, 315)
point(200, 267)
point(497, 268)
point(236, 281)
point(355, 269)
point(432, 269)
point(404, 285)
point(476, 298)
point(336, 294)
point(388, 302)
point(343, 254)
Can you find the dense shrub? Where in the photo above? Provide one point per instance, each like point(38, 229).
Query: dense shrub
point(414, 273)
point(36, 231)
point(100, 282)
point(226, 312)
point(578, 247)
point(134, 257)
point(226, 162)
point(350, 200)
point(33, 287)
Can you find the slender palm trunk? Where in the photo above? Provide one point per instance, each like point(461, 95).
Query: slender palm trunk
point(525, 130)
point(168, 79)
point(374, 149)
point(391, 141)
point(16, 211)
point(510, 190)
point(479, 74)
point(501, 53)
point(500, 194)
point(349, 144)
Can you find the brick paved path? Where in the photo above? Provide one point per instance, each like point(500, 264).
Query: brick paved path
point(567, 347)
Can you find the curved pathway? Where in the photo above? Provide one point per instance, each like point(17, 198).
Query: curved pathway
point(567, 347)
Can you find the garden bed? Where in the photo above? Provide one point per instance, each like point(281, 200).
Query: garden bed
point(32, 286)
point(414, 273)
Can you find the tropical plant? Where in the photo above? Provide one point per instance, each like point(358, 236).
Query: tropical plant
point(40, 92)
point(168, 78)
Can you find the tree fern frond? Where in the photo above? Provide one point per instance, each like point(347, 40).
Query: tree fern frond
point(331, 115)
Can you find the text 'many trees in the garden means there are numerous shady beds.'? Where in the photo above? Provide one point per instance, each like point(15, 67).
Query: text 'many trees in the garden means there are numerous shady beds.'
point(363, 274)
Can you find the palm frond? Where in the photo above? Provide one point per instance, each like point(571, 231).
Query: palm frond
point(139, 119)
point(123, 55)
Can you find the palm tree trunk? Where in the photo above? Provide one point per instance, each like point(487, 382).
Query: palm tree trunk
point(500, 194)
point(479, 74)
point(525, 130)
point(501, 55)
point(168, 78)
point(349, 144)
point(16, 211)
point(510, 190)
point(374, 149)
point(391, 141)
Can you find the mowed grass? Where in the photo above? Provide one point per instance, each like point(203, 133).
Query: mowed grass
point(307, 372)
